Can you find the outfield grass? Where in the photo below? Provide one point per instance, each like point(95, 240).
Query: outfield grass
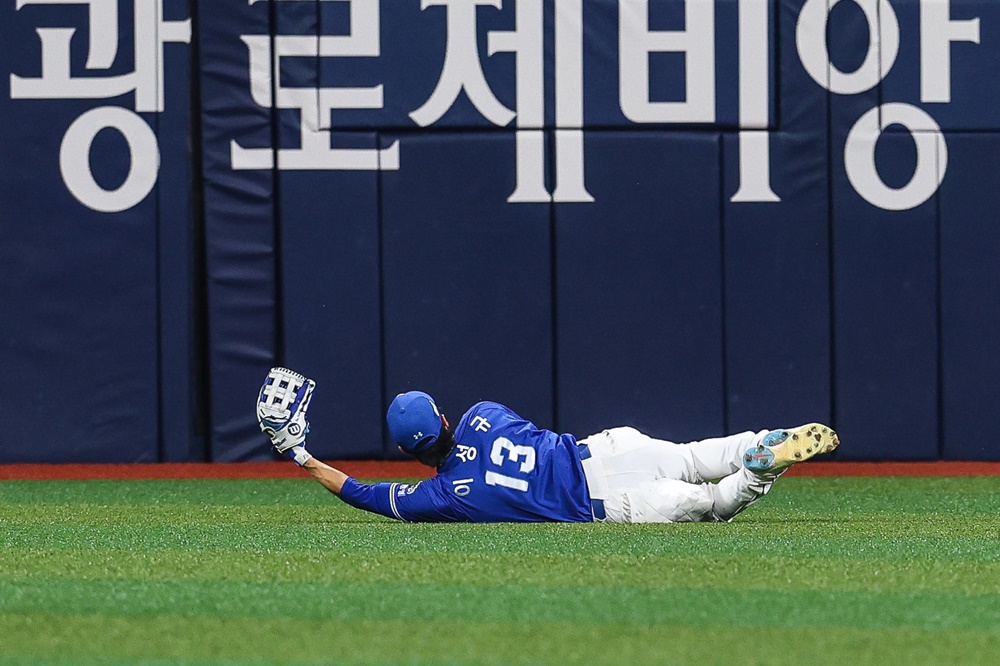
point(822, 571)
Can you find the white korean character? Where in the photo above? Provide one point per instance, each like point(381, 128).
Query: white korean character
point(146, 80)
point(696, 41)
point(315, 105)
point(462, 70)
point(151, 33)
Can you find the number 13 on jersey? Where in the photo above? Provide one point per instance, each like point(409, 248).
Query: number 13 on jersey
point(503, 449)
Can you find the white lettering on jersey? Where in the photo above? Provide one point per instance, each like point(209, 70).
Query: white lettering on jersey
point(480, 424)
point(466, 453)
point(525, 455)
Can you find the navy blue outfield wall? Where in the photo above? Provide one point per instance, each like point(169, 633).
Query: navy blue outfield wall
point(694, 217)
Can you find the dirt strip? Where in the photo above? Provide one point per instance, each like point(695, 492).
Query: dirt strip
point(937, 468)
point(364, 469)
point(376, 469)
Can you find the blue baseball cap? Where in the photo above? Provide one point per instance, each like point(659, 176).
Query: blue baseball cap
point(414, 421)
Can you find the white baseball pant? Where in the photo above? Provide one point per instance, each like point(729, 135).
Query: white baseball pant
point(646, 480)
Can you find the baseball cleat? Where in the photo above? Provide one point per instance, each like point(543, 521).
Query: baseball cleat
point(783, 448)
point(281, 407)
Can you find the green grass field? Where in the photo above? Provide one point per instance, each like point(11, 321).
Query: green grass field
point(822, 571)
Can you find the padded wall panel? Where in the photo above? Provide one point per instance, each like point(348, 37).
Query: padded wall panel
point(78, 335)
point(850, 34)
point(240, 229)
point(466, 278)
point(184, 438)
point(884, 268)
point(802, 100)
point(329, 261)
point(639, 288)
point(886, 317)
point(777, 261)
point(970, 291)
point(727, 60)
point(777, 290)
point(331, 326)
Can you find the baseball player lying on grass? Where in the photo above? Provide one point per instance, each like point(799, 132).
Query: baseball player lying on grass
point(495, 466)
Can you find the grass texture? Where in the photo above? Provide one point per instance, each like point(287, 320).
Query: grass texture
point(821, 571)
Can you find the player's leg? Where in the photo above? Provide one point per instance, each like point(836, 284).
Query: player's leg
point(737, 491)
point(674, 501)
point(641, 479)
point(715, 458)
point(629, 495)
point(769, 455)
point(633, 457)
point(662, 501)
point(722, 456)
point(764, 462)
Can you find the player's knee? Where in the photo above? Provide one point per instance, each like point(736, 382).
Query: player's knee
point(669, 502)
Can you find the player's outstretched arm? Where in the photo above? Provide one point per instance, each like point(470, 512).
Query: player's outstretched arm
point(329, 477)
point(281, 412)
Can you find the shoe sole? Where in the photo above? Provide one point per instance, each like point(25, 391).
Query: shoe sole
point(794, 445)
point(802, 444)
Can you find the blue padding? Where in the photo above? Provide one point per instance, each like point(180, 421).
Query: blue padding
point(867, 413)
point(974, 100)
point(329, 245)
point(78, 336)
point(639, 288)
point(777, 261)
point(182, 437)
point(801, 100)
point(330, 305)
point(240, 232)
point(778, 290)
point(970, 291)
point(466, 278)
point(885, 317)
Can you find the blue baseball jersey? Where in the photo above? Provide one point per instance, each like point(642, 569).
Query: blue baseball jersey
point(502, 469)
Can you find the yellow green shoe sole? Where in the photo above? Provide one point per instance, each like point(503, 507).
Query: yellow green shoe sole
point(782, 448)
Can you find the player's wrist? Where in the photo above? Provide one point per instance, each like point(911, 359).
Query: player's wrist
point(299, 455)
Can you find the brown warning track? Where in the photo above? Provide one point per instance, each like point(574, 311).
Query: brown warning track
point(938, 468)
point(365, 469)
point(375, 469)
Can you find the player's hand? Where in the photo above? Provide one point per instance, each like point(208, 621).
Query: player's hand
point(281, 409)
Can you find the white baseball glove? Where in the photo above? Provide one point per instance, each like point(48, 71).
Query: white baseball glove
point(281, 411)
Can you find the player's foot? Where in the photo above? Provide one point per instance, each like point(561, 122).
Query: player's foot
point(783, 448)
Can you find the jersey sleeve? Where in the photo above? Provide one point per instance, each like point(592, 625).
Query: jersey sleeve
point(415, 503)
